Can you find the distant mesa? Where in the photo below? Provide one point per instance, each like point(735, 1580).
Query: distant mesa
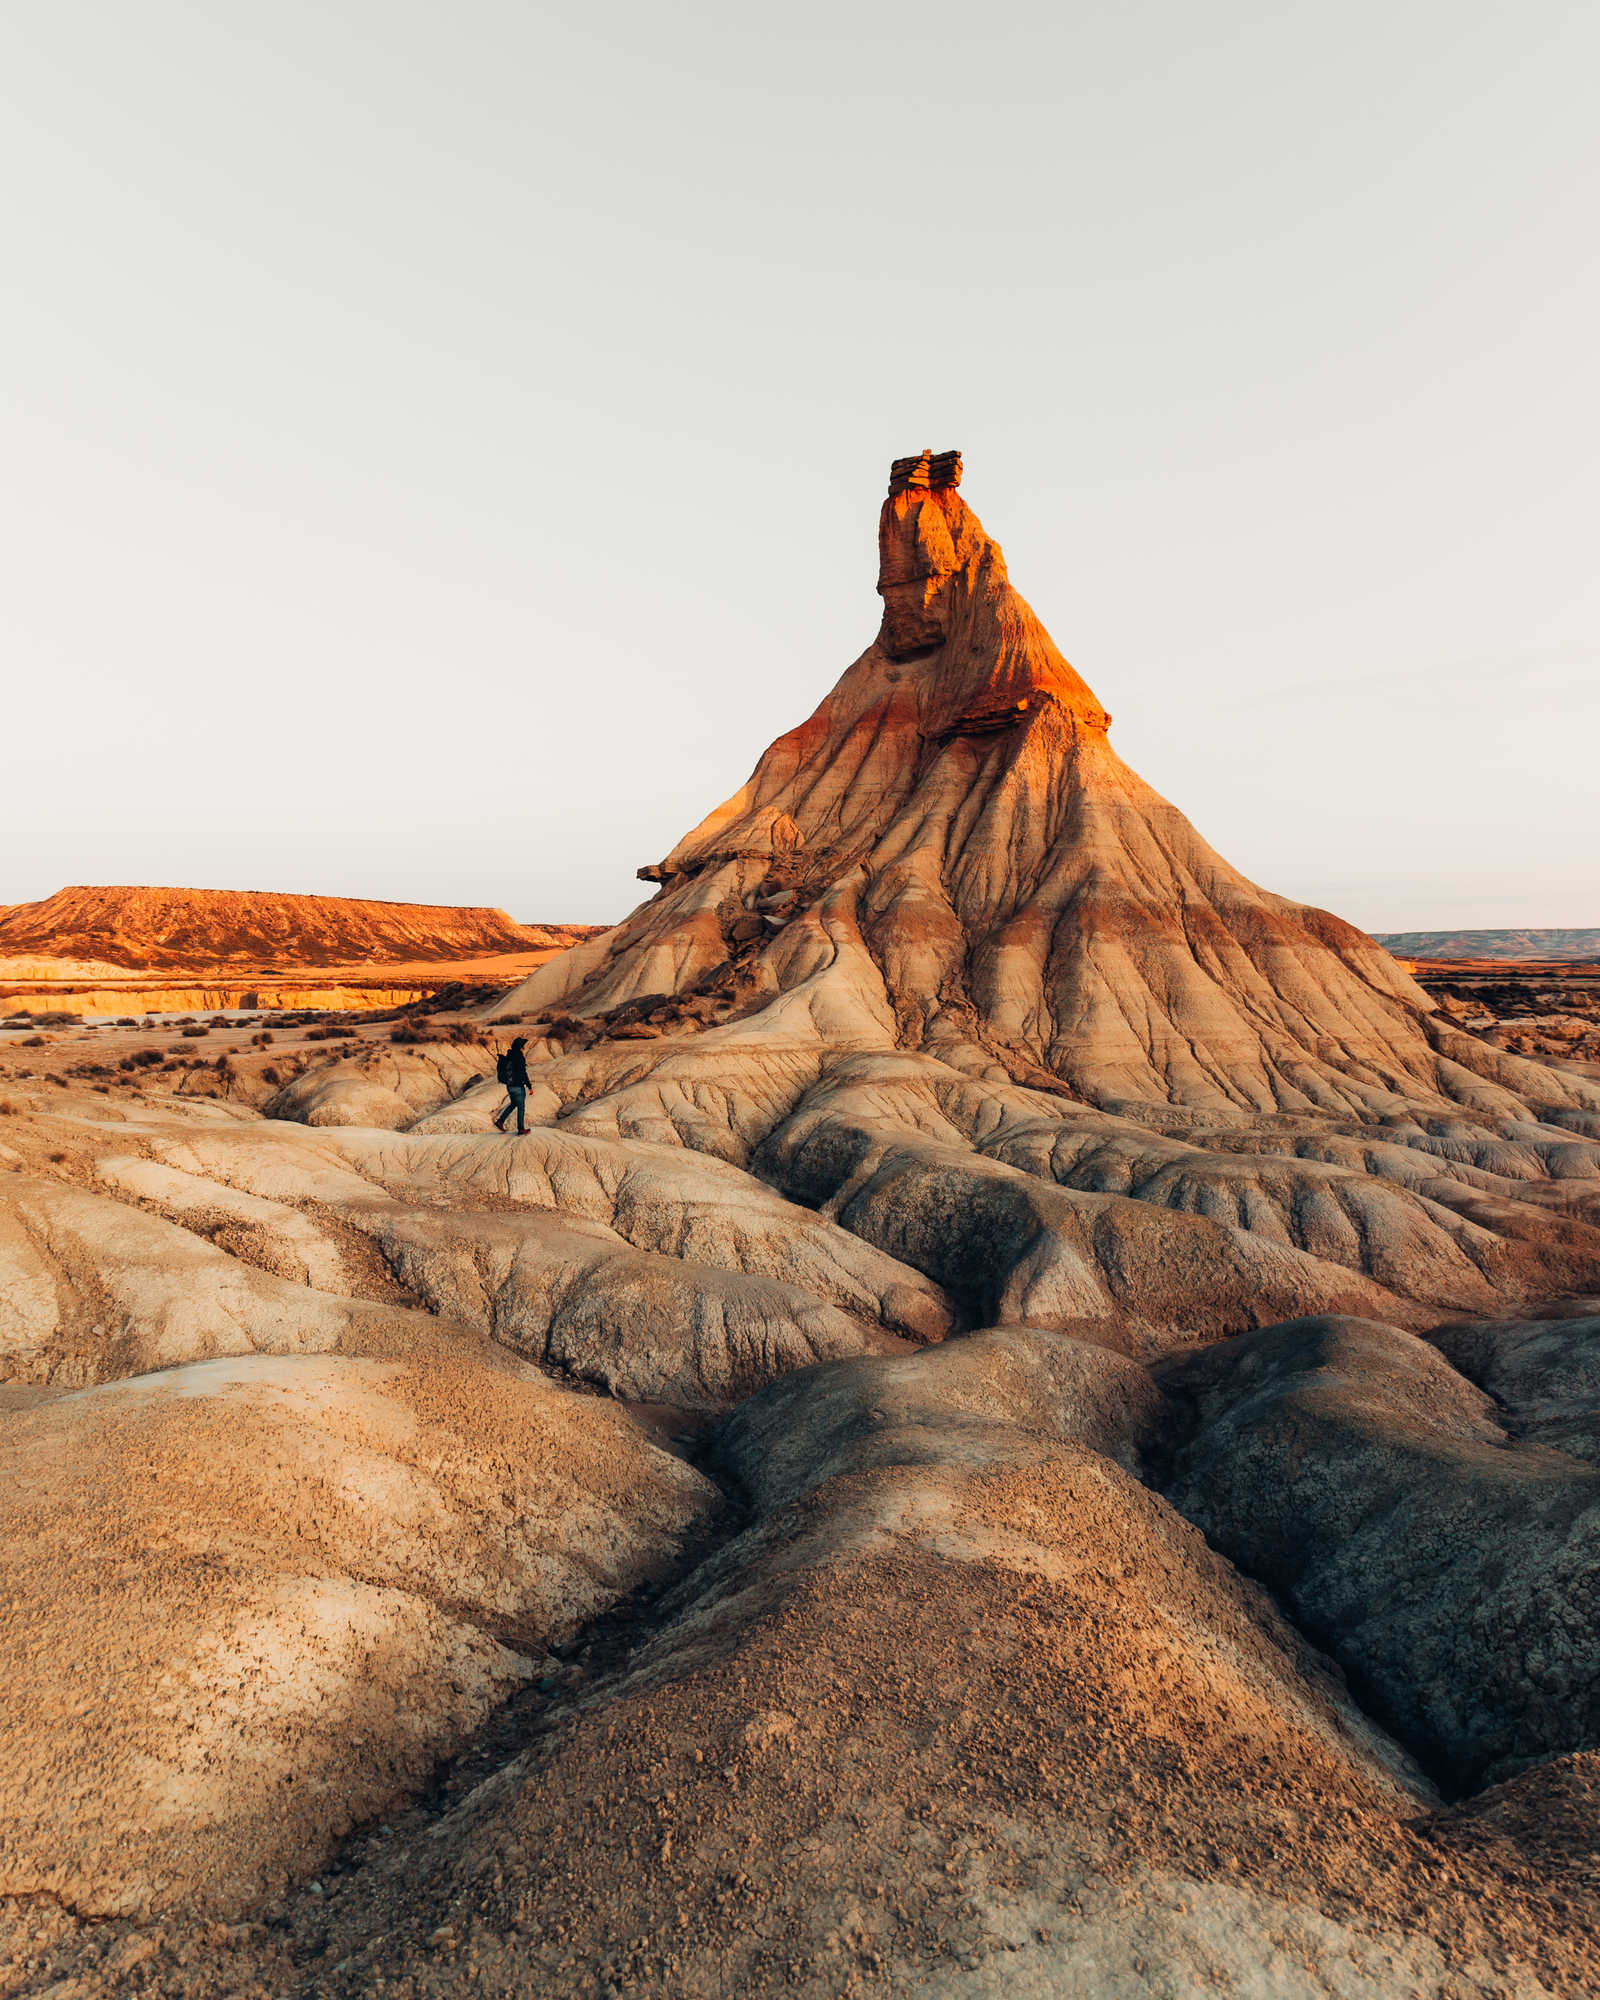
point(1536, 944)
point(90, 951)
point(149, 929)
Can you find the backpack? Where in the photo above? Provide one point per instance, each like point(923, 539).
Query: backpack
point(502, 1067)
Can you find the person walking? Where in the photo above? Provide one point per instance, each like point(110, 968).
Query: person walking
point(512, 1070)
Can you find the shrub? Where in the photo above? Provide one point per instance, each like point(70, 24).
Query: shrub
point(9, 1108)
point(263, 1040)
point(270, 1075)
point(33, 1041)
point(329, 1033)
point(192, 1034)
point(141, 1059)
point(411, 1031)
point(506, 1021)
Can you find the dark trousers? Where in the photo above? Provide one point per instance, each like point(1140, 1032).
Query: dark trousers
point(517, 1093)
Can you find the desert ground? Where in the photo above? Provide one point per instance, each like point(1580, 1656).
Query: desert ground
point(1024, 1418)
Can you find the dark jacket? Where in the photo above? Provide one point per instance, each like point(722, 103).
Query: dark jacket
point(516, 1070)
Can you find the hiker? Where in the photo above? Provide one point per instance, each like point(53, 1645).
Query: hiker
point(511, 1069)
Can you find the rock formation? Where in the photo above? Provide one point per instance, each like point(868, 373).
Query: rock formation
point(947, 855)
point(1045, 1243)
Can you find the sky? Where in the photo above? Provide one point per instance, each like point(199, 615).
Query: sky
point(443, 445)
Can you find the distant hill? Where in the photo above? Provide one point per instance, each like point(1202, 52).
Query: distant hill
point(148, 929)
point(1491, 944)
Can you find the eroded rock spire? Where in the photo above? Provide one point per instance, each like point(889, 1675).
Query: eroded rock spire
point(947, 856)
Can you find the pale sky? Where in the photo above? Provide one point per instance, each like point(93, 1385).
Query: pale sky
point(443, 445)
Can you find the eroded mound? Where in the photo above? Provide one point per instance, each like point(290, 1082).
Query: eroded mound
point(252, 1602)
point(1455, 1576)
